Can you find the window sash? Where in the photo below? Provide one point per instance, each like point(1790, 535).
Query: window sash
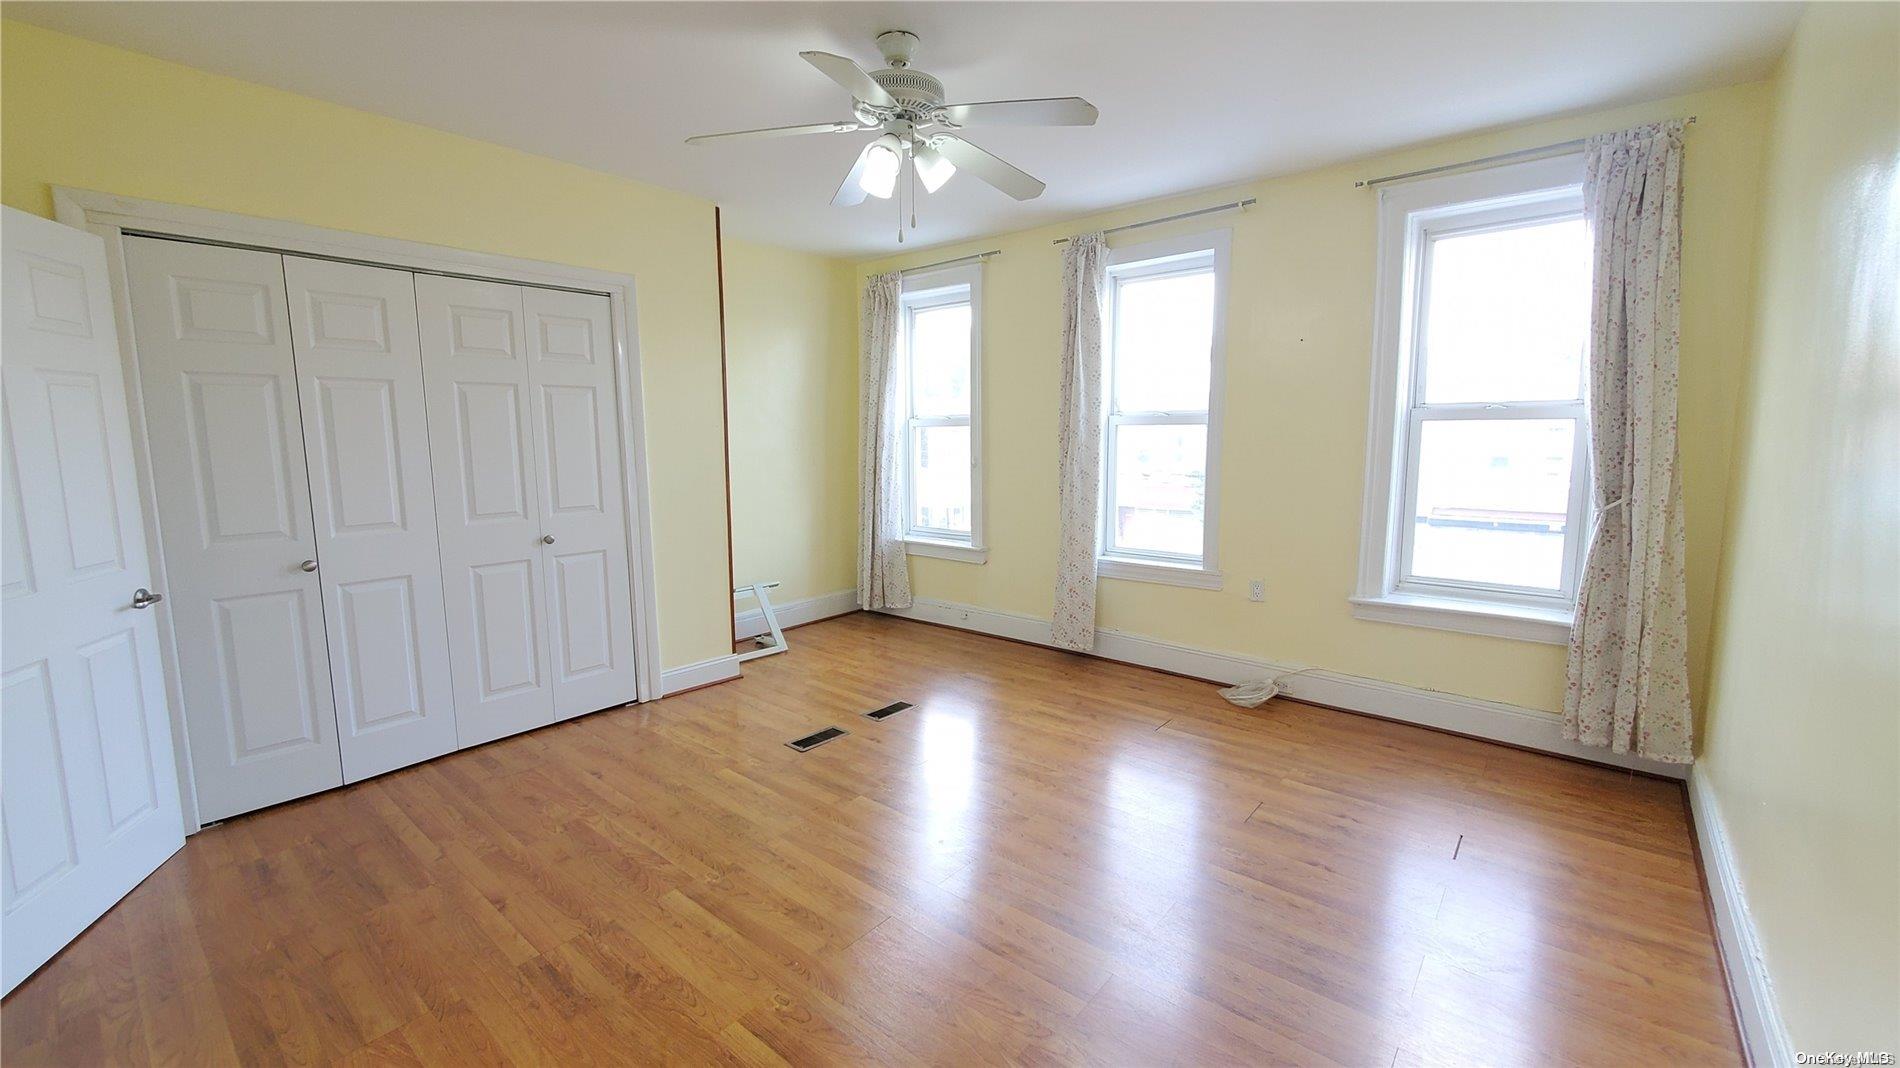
point(911, 302)
point(911, 431)
point(1576, 513)
point(1191, 260)
point(1459, 220)
point(1465, 224)
point(1111, 466)
point(1117, 417)
point(948, 297)
point(1185, 264)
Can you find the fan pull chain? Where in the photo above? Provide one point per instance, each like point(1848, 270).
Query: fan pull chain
point(912, 157)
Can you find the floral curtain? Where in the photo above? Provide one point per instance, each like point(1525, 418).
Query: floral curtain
point(1627, 685)
point(1084, 292)
point(883, 566)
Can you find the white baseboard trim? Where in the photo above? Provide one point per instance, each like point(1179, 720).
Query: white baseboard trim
point(751, 622)
point(703, 673)
point(1491, 720)
point(1750, 986)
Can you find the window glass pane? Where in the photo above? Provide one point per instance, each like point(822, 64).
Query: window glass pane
point(1507, 314)
point(1492, 501)
point(1160, 488)
point(940, 478)
point(1164, 336)
point(940, 360)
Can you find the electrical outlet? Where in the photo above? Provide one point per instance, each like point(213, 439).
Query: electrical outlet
point(1257, 590)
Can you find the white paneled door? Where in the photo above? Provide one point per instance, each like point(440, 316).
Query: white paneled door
point(88, 794)
point(481, 432)
point(359, 385)
point(590, 605)
point(221, 413)
point(524, 424)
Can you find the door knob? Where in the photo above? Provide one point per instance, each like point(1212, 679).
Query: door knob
point(547, 539)
point(307, 565)
point(144, 598)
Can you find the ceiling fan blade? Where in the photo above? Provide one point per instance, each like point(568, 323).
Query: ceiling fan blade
point(1046, 111)
point(851, 76)
point(974, 160)
point(851, 193)
point(779, 131)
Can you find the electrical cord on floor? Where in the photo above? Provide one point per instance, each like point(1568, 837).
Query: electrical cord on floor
point(1255, 694)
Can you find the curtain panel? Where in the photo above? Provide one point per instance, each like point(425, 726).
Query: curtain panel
point(1084, 293)
point(1627, 673)
point(883, 566)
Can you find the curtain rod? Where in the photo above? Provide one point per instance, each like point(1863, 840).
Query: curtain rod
point(1559, 147)
point(1171, 218)
point(978, 257)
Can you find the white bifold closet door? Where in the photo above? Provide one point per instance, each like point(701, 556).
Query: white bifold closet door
point(359, 385)
point(220, 392)
point(283, 400)
point(526, 447)
point(582, 498)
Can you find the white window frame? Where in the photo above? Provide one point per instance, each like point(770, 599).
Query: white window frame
point(1150, 259)
point(935, 289)
point(1409, 216)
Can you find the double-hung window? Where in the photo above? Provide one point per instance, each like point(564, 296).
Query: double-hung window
point(1163, 338)
point(1477, 498)
point(939, 325)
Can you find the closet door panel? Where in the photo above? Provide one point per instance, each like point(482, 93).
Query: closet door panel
point(590, 627)
point(220, 397)
point(359, 370)
point(476, 382)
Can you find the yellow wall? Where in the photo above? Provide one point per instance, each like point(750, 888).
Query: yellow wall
point(81, 114)
point(1299, 348)
point(1804, 710)
point(791, 351)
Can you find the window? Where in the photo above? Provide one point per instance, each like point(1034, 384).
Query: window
point(938, 327)
point(1163, 342)
point(1477, 497)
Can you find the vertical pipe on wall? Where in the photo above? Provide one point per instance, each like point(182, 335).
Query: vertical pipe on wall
point(725, 412)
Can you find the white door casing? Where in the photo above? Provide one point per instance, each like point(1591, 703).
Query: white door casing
point(577, 436)
point(221, 414)
point(88, 795)
point(359, 387)
point(481, 434)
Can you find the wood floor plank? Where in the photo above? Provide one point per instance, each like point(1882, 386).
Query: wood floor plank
point(1049, 859)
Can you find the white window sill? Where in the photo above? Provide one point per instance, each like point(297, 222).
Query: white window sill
point(1551, 626)
point(1165, 574)
point(947, 550)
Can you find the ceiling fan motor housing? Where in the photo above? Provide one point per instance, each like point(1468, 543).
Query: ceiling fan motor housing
point(915, 91)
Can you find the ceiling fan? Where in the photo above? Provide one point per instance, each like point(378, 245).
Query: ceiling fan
point(918, 128)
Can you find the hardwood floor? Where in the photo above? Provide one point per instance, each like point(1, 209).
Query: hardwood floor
point(1050, 859)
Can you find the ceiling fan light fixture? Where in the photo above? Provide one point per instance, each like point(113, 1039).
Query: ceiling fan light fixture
point(905, 107)
point(932, 169)
point(882, 160)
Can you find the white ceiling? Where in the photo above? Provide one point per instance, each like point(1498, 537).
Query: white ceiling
point(1192, 95)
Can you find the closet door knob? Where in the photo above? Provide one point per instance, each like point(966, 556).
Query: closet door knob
point(307, 565)
point(144, 598)
point(547, 539)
